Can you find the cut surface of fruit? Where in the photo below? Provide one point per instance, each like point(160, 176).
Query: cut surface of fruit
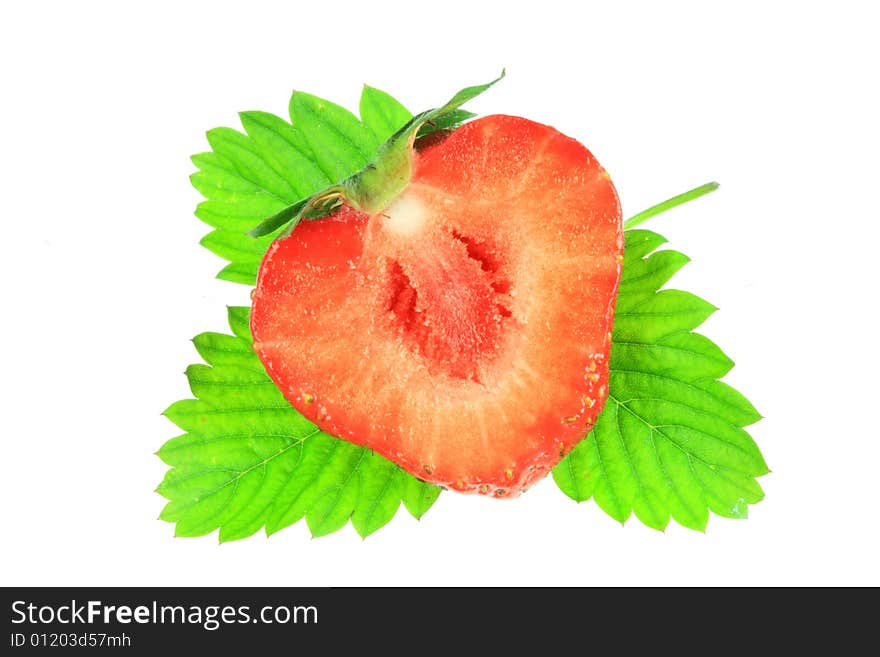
point(464, 331)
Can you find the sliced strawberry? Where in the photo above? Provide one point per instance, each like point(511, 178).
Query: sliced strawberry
point(464, 331)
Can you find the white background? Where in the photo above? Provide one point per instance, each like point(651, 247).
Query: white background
point(104, 282)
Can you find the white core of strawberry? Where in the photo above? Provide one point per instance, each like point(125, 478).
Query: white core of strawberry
point(406, 216)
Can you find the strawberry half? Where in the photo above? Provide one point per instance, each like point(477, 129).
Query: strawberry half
point(463, 330)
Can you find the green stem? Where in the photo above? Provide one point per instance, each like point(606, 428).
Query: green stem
point(668, 204)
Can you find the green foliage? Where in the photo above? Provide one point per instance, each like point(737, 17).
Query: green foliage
point(275, 166)
point(249, 460)
point(670, 441)
point(271, 165)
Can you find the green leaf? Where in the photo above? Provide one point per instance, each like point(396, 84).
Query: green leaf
point(381, 113)
point(286, 150)
point(240, 321)
point(235, 246)
point(274, 164)
point(664, 313)
point(244, 272)
point(249, 460)
point(219, 349)
point(381, 491)
point(249, 162)
point(418, 496)
point(340, 143)
point(670, 441)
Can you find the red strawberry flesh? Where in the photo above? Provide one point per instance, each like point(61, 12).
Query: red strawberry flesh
point(464, 331)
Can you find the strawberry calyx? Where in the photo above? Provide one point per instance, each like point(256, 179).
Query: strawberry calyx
point(373, 188)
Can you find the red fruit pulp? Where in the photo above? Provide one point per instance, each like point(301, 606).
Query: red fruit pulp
point(464, 331)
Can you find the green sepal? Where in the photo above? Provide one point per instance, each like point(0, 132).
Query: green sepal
point(373, 188)
point(313, 207)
